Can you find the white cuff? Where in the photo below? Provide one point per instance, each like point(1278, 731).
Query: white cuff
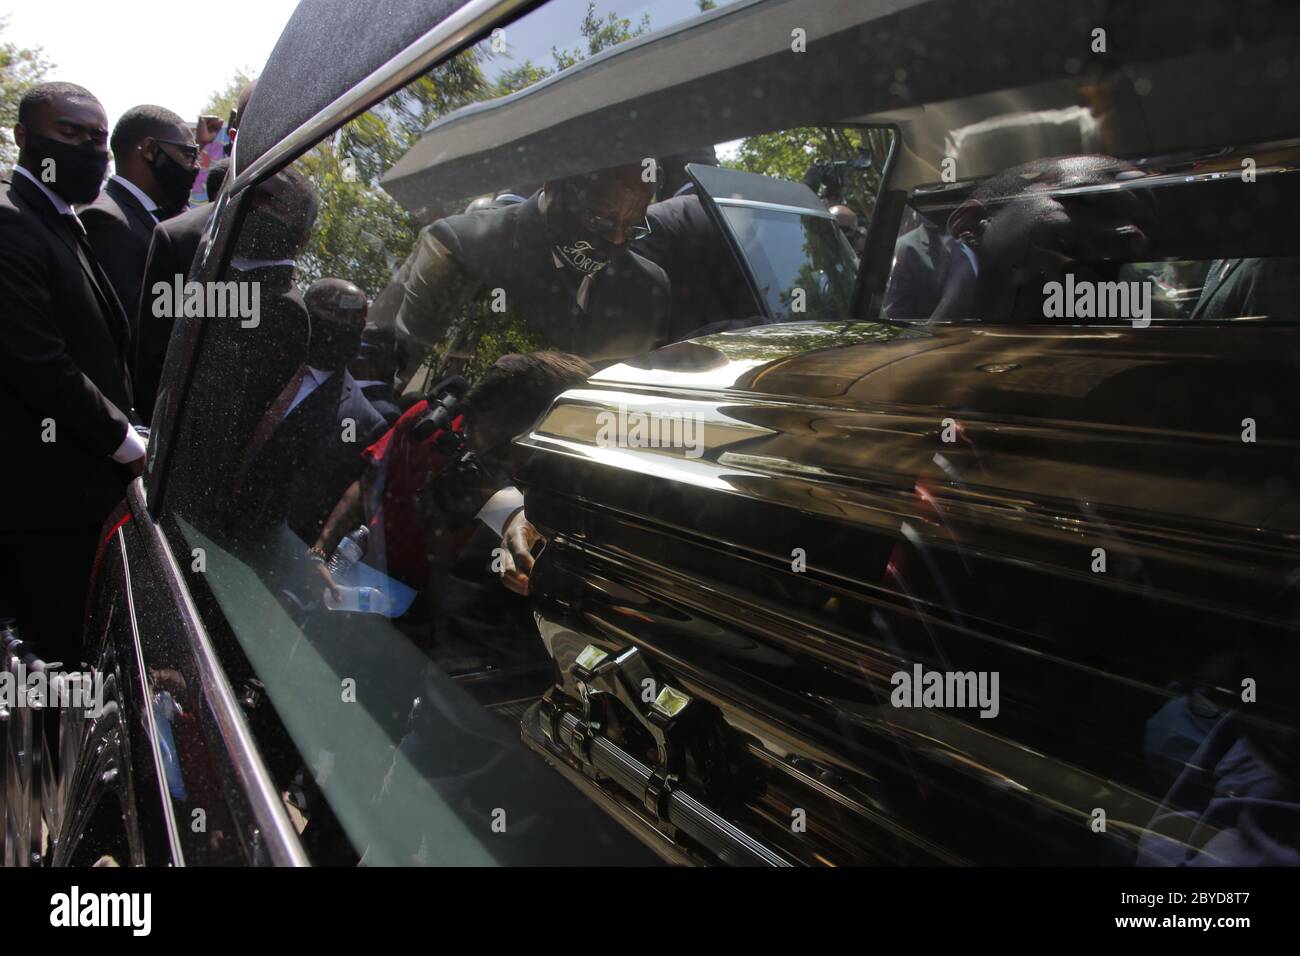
point(132, 447)
point(500, 508)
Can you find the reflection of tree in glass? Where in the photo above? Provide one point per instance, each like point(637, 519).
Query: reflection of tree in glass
point(826, 277)
point(494, 334)
point(788, 154)
point(771, 342)
point(362, 234)
point(599, 34)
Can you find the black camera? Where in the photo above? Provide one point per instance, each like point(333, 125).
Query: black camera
point(444, 405)
point(833, 176)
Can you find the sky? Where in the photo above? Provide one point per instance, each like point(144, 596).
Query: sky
point(149, 51)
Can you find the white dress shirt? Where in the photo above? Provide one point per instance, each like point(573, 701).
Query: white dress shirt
point(314, 378)
point(55, 199)
point(150, 206)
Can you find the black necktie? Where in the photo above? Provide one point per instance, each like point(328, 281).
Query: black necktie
point(115, 316)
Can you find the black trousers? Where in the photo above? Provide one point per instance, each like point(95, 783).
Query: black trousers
point(43, 580)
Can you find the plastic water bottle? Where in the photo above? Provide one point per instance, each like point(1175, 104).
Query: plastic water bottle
point(364, 600)
point(348, 552)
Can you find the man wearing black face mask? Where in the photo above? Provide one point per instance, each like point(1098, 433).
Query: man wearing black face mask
point(156, 161)
point(65, 395)
point(560, 262)
point(307, 447)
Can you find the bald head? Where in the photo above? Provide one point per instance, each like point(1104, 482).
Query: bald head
point(1030, 223)
point(338, 317)
point(336, 299)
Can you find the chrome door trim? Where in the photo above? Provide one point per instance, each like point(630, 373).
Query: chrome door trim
point(443, 39)
point(160, 770)
point(773, 207)
point(278, 835)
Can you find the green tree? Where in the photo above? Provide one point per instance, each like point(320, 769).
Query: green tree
point(362, 234)
point(600, 35)
point(222, 101)
point(788, 154)
point(20, 69)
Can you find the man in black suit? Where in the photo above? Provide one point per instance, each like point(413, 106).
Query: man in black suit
point(1237, 288)
point(375, 368)
point(562, 265)
point(156, 161)
point(246, 363)
point(172, 252)
point(65, 394)
point(306, 449)
point(922, 260)
point(708, 292)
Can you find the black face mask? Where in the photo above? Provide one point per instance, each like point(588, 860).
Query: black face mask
point(176, 181)
point(78, 170)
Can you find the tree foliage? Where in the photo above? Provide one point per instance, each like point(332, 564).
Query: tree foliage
point(20, 69)
point(223, 101)
point(362, 234)
point(788, 154)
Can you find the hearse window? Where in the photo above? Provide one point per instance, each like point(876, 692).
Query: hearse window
point(596, 183)
point(427, 284)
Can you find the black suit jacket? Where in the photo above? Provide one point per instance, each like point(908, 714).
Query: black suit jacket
point(627, 309)
point(708, 291)
point(310, 458)
point(64, 340)
point(384, 399)
point(1251, 287)
point(171, 252)
point(922, 262)
point(240, 373)
point(119, 228)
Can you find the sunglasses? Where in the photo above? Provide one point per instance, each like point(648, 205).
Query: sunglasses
point(603, 225)
point(188, 150)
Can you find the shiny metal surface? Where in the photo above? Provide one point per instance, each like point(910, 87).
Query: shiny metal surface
point(177, 855)
point(773, 207)
point(969, 554)
point(278, 839)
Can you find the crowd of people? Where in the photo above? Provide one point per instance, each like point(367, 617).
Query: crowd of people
point(74, 253)
point(338, 435)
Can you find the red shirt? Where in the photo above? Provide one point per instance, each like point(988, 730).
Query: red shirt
point(399, 467)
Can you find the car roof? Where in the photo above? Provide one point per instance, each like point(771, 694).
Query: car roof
point(726, 74)
point(927, 68)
